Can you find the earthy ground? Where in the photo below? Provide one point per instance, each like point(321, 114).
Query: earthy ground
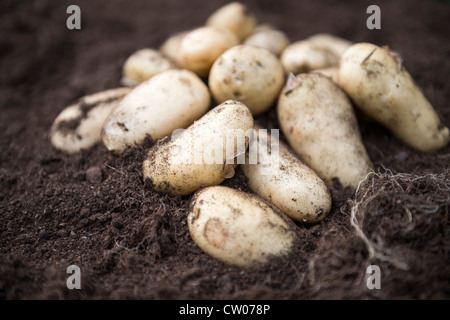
point(93, 210)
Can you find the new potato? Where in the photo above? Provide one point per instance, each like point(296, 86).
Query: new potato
point(202, 155)
point(377, 82)
point(200, 47)
point(270, 39)
point(79, 125)
point(170, 100)
point(237, 228)
point(318, 120)
point(249, 74)
point(235, 18)
point(281, 178)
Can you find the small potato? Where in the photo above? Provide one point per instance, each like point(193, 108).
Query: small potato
point(316, 52)
point(144, 64)
point(202, 155)
point(281, 178)
point(78, 126)
point(237, 228)
point(171, 46)
point(202, 46)
point(319, 122)
point(270, 39)
point(235, 18)
point(249, 74)
point(170, 100)
point(377, 82)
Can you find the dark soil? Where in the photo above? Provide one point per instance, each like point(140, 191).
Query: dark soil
point(94, 211)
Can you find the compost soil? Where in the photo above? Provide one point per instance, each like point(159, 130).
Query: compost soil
point(93, 209)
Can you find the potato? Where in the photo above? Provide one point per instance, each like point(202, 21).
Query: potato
point(204, 154)
point(331, 72)
point(270, 39)
point(316, 52)
point(319, 122)
point(171, 46)
point(79, 125)
point(377, 82)
point(170, 100)
point(281, 178)
point(237, 228)
point(249, 74)
point(202, 46)
point(235, 18)
point(144, 64)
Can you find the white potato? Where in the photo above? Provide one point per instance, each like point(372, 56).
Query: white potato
point(202, 155)
point(249, 74)
point(238, 228)
point(270, 39)
point(202, 46)
point(281, 178)
point(170, 100)
point(377, 82)
point(79, 125)
point(171, 46)
point(316, 52)
point(144, 64)
point(318, 120)
point(234, 17)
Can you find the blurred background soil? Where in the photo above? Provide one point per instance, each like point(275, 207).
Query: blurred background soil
point(132, 243)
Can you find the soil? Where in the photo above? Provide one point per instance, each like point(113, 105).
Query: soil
point(93, 209)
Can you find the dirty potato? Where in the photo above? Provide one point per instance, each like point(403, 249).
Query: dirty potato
point(144, 64)
point(377, 82)
point(202, 46)
point(170, 100)
point(237, 228)
point(234, 17)
point(249, 74)
point(78, 126)
point(278, 176)
point(202, 155)
point(319, 122)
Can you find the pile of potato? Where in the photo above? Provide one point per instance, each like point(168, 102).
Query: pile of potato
point(247, 68)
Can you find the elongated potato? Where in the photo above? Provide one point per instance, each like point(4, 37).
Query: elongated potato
point(234, 17)
point(320, 125)
point(144, 64)
point(170, 100)
point(281, 178)
point(202, 46)
point(249, 74)
point(79, 125)
point(237, 228)
point(202, 155)
point(377, 82)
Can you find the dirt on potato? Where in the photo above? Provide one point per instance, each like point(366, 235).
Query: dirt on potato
point(94, 210)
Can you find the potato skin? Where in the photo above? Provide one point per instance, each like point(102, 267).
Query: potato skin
point(78, 126)
point(287, 182)
point(320, 125)
point(178, 168)
point(376, 81)
point(238, 228)
point(170, 100)
point(249, 74)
